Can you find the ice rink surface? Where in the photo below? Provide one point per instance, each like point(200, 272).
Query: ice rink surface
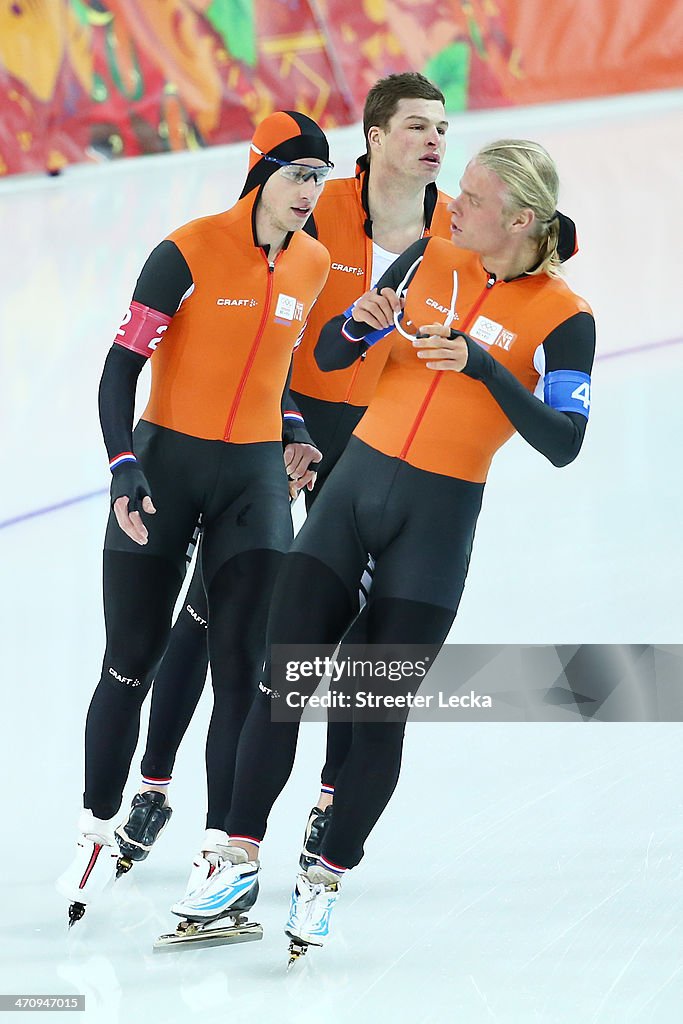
point(522, 873)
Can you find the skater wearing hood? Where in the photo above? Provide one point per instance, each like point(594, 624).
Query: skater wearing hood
point(486, 340)
point(219, 307)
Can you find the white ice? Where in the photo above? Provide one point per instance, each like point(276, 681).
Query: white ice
point(522, 873)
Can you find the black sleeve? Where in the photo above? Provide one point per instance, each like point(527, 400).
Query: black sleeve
point(293, 425)
point(117, 398)
point(557, 435)
point(164, 279)
point(343, 340)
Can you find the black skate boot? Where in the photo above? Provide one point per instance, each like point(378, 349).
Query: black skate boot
point(316, 827)
point(148, 817)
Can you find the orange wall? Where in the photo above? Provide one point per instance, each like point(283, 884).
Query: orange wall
point(81, 80)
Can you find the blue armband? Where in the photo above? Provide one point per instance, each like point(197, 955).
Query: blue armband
point(348, 331)
point(567, 391)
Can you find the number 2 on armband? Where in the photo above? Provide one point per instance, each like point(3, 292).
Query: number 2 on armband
point(583, 394)
point(126, 320)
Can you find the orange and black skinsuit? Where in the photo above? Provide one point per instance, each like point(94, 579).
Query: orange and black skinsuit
point(426, 443)
point(220, 321)
point(332, 405)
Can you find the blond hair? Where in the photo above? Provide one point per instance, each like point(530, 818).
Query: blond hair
point(532, 183)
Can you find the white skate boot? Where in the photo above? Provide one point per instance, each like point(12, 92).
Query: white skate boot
point(93, 867)
point(214, 906)
point(315, 893)
point(208, 860)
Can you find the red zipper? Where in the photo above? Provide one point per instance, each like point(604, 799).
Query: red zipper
point(359, 362)
point(439, 373)
point(254, 349)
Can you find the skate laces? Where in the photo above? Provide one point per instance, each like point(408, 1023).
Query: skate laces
point(311, 905)
point(97, 830)
point(304, 899)
point(229, 858)
point(236, 856)
point(323, 878)
point(213, 858)
point(216, 848)
point(99, 839)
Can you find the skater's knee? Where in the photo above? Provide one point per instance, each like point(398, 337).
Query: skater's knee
point(135, 653)
point(237, 668)
point(378, 736)
point(192, 619)
point(128, 674)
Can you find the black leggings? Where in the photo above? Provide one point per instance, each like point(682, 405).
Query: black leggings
point(178, 683)
point(330, 424)
point(240, 492)
point(180, 678)
point(419, 527)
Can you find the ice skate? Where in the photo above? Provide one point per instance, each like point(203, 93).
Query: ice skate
point(214, 910)
point(208, 860)
point(93, 867)
point(318, 822)
point(315, 893)
point(148, 817)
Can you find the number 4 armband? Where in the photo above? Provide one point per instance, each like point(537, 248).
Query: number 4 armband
point(568, 391)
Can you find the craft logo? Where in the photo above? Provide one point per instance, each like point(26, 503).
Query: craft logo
point(442, 309)
point(126, 680)
point(347, 270)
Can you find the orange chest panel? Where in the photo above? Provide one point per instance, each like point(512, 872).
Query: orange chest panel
point(446, 422)
point(340, 218)
point(220, 371)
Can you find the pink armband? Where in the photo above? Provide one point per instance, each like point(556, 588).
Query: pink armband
point(142, 329)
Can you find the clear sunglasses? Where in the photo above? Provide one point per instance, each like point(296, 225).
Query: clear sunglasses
point(300, 174)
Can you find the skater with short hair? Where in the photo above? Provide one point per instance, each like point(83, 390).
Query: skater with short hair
point(365, 222)
point(512, 351)
point(219, 307)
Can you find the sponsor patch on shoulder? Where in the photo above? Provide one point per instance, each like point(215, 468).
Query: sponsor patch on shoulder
point(489, 333)
point(288, 309)
point(286, 306)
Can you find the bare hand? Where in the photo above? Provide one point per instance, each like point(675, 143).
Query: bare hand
point(439, 350)
point(299, 458)
point(297, 486)
point(376, 309)
point(131, 522)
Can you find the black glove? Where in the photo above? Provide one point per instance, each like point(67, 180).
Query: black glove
point(129, 480)
point(296, 433)
point(478, 365)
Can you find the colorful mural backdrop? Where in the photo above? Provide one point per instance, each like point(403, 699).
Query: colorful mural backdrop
point(98, 79)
